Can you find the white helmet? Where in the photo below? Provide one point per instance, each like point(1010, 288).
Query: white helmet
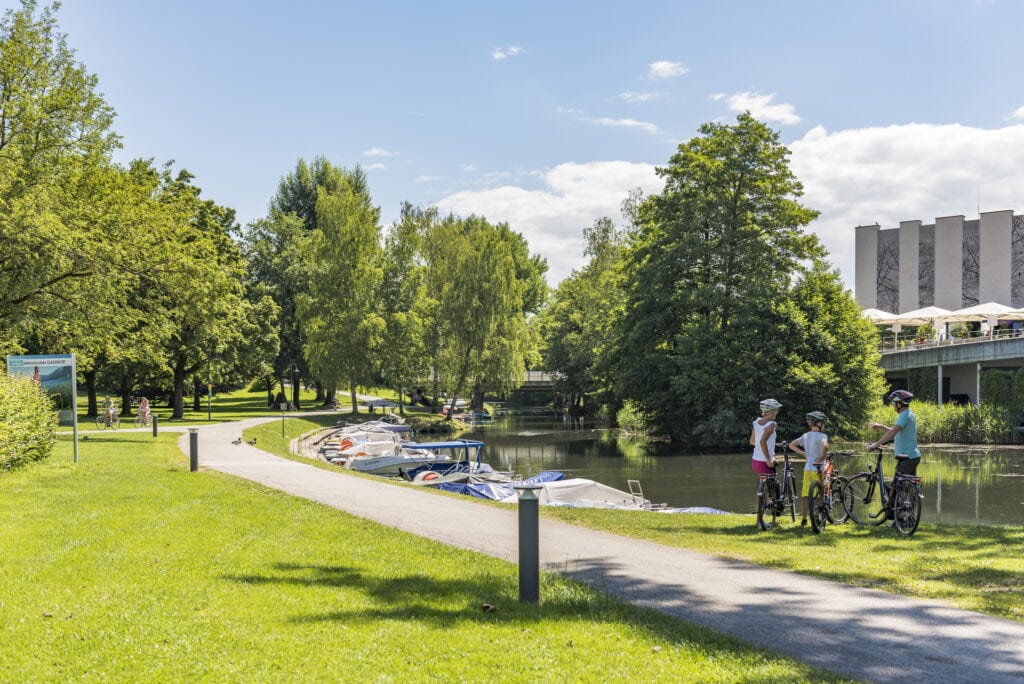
point(770, 405)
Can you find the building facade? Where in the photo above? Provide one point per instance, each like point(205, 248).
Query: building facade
point(952, 263)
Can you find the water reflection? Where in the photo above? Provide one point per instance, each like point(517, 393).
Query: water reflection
point(968, 485)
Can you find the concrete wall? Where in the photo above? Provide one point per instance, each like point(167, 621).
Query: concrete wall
point(949, 267)
point(866, 267)
point(994, 257)
point(910, 299)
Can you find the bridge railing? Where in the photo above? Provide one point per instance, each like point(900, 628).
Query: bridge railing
point(890, 345)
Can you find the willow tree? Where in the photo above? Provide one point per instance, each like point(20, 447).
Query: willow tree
point(578, 323)
point(711, 272)
point(342, 258)
point(483, 283)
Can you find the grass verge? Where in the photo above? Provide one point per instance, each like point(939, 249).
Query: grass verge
point(976, 568)
point(128, 567)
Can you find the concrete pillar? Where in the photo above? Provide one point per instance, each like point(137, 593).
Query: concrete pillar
point(910, 268)
point(977, 384)
point(995, 253)
point(949, 262)
point(865, 284)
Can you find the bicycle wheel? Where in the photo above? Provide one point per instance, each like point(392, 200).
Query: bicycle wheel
point(790, 498)
point(766, 505)
point(863, 500)
point(100, 422)
point(837, 514)
point(907, 507)
point(115, 422)
point(817, 507)
point(138, 422)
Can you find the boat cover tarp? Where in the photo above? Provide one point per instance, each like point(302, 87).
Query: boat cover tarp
point(499, 491)
point(578, 489)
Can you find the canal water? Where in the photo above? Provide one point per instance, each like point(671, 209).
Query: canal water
point(965, 485)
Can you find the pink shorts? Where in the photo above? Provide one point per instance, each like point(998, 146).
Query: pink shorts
point(760, 467)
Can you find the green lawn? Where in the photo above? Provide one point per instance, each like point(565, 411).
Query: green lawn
point(978, 568)
point(128, 567)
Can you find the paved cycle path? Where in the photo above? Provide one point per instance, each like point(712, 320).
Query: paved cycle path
point(855, 632)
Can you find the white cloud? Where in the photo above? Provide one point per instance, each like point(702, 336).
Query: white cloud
point(665, 69)
point(760, 106)
point(1018, 114)
point(505, 53)
point(634, 98)
point(378, 152)
point(853, 177)
point(377, 166)
point(553, 218)
point(625, 123)
point(905, 173)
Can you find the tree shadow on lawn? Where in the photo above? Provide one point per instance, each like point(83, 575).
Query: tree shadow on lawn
point(486, 600)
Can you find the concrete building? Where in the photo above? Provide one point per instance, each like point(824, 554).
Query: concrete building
point(951, 263)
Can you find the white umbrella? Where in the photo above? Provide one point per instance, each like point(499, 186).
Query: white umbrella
point(877, 316)
point(989, 311)
point(929, 315)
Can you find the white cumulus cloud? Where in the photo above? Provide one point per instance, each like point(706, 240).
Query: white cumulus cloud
point(635, 98)
point(1018, 114)
point(905, 173)
point(665, 69)
point(625, 123)
point(505, 53)
point(760, 106)
point(552, 218)
point(379, 152)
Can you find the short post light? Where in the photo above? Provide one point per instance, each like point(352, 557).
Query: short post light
point(193, 449)
point(155, 418)
point(529, 542)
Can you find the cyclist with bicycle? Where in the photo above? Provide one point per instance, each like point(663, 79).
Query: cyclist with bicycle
point(903, 434)
point(109, 410)
point(812, 445)
point(144, 410)
point(762, 438)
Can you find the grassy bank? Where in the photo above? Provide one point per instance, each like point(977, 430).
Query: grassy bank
point(128, 567)
point(977, 568)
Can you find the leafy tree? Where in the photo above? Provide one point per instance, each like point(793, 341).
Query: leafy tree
point(578, 324)
point(55, 138)
point(28, 422)
point(340, 311)
point(714, 294)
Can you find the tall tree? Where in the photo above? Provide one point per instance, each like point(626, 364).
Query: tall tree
point(340, 309)
point(578, 324)
point(711, 271)
point(55, 139)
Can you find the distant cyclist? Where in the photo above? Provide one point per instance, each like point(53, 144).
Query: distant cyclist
point(109, 410)
point(903, 434)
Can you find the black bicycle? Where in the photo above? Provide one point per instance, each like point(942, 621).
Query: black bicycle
point(825, 497)
point(871, 501)
point(773, 497)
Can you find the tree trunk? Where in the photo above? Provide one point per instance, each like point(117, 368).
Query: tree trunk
point(197, 395)
point(126, 396)
point(178, 400)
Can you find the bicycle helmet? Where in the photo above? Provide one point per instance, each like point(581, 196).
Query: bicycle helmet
point(770, 405)
point(817, 417)
point(901, 397)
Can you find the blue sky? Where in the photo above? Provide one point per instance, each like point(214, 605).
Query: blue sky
point(546, 114)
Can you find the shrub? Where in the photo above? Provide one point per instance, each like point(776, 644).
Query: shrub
point(964, 424)
point(631, 419)
point(28, 422)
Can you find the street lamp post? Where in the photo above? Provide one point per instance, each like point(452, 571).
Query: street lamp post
point(295, 392)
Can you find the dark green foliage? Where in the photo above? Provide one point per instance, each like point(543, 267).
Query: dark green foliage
point(729, 301)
